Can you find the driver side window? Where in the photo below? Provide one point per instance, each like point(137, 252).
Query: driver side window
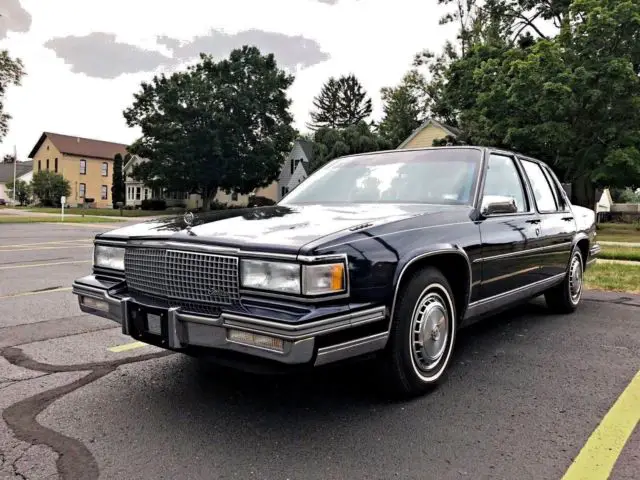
point(504, 180)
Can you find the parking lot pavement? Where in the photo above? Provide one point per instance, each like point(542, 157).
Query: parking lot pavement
point(525, 393)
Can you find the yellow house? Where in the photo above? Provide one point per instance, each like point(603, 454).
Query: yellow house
point(425, 134)
point(86, 163)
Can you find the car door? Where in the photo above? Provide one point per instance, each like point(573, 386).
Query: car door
point(557, 225)
point(509, 240)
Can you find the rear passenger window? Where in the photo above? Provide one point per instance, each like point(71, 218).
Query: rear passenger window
point(541, 189)
point(504, 180)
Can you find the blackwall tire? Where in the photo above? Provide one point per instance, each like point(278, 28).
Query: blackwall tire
point(422, 335)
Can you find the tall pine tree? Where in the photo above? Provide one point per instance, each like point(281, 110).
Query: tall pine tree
point(117, 187)
point(355, 105)
point(327, 105)
point(342, 102)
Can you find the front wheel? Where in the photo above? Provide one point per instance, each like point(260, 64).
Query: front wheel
point(565, 297)
point(422, 333)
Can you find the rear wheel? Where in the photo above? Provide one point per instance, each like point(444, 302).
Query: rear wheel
point(566, 297)
point(422, 333)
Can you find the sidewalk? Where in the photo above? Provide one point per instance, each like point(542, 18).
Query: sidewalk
point(620, 244)
point(623, 262)
point(30, 213)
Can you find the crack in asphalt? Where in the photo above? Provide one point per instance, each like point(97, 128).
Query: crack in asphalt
point(75, 461)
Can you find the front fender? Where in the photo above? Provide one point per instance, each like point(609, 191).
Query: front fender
point(414, 256)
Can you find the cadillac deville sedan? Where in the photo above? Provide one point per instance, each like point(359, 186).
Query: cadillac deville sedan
point(386, 254)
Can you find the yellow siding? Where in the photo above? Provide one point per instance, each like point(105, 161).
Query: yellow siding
point(271, 191)
point(69, 168)
point(47, 151)
point(426, 137)
point(93, 179)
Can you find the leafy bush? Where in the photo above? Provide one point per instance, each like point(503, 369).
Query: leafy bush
point(154, 204)
point(48, 187)
point(258, 201)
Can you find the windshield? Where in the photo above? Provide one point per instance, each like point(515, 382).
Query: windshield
point(439, 176)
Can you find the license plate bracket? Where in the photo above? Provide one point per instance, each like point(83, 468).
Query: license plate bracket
point(149, 321)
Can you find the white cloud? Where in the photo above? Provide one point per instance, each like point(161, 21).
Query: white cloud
point(374, 39)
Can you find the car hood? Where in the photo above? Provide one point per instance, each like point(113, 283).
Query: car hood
point(274, 228)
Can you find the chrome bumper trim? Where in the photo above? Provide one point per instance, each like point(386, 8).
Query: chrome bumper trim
point(299, 340)
point(350, 349)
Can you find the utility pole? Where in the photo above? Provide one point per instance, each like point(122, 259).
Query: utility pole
point(15, 160)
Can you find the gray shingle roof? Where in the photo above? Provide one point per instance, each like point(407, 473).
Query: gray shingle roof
point(6, 171)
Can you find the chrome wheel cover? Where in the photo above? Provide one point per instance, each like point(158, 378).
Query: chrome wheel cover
point(430, 330)
point(575, 279)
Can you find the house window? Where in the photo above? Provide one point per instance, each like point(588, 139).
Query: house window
point(146, 193)
point(103, 192)
point(39, 165)
point(47, 164)
point(284, 191)
point(293, 166)
point(83, 167)
point(105, 169)
point(55, 165)
point(83, 190)
point(234, 197)
point(137, 193)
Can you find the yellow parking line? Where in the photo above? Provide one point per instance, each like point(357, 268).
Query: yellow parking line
point(29, 249)
point(127, 346)
point(44, 264)
point(24, 294)
point(598, 456)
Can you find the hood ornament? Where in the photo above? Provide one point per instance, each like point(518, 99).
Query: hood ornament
point(188, 218)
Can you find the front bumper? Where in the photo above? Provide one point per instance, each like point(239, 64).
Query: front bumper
point(304, 343)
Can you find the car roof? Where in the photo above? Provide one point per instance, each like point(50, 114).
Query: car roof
point(449, 147)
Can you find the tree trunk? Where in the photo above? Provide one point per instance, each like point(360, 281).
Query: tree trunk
point(584, 193)
point(207, 198)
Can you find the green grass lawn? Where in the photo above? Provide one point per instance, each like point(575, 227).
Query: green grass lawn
point(614, 277)
point(106, 212)
point(620, 253)
point(36, 219)
point(619, 232)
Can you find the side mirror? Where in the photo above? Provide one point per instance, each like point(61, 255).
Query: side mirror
point(496, 205)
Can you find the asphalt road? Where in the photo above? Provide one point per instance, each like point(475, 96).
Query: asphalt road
point(525, 392)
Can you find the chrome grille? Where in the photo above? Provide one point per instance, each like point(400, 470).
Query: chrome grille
point(182, 276)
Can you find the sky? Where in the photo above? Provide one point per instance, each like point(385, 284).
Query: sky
point(86, 59)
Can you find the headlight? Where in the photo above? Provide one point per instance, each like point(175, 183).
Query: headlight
point(108, 257)
point(293, 278)
point(323, 279)
point(276, 276)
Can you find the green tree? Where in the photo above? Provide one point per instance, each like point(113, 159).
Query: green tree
point(327, 105)
point(11, 72)
point(118, 185)
point(48, 187)
point(23, 191)
point(342, 102)
point(330, 143)
point(405, 107)
point(572, 99)
point(217, 125)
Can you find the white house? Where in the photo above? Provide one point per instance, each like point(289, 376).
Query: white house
point(605, 203)
point(136, 191)
point(295, 167)
point(24, 172)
